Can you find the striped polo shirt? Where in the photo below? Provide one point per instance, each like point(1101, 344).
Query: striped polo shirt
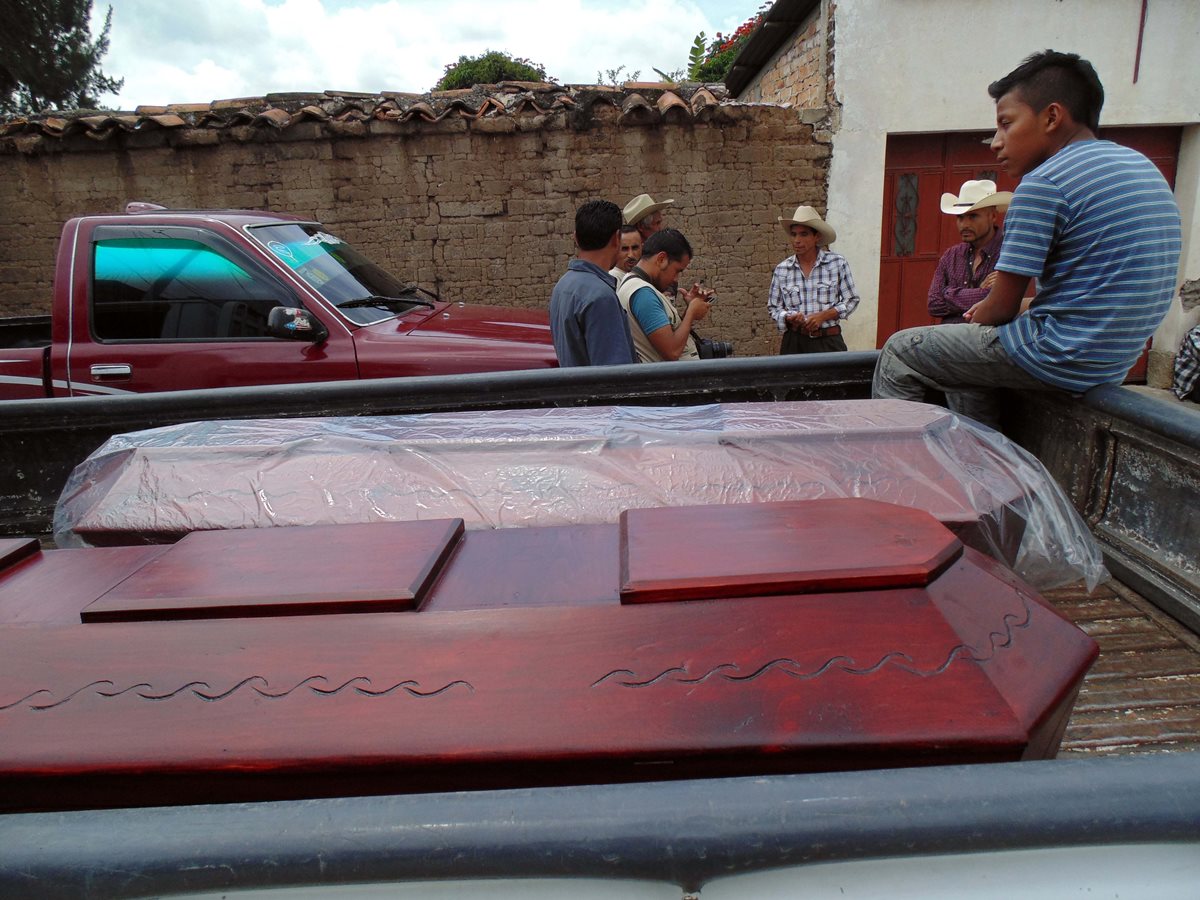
point(1098, 227)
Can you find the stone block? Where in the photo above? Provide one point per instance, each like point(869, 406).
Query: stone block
point(1160, 368)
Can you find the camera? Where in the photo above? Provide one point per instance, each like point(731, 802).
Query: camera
point(709, 349)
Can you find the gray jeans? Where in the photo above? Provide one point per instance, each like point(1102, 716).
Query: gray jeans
point(964, 361)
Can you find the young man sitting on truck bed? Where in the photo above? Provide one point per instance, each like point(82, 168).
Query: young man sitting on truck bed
point(1094, 222)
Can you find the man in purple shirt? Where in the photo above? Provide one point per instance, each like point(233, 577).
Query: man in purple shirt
point(966, 272)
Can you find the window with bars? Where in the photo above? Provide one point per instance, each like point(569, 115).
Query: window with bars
point(904, 230)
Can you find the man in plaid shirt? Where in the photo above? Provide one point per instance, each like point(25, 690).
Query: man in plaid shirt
point(966, 272)
point(812, 290)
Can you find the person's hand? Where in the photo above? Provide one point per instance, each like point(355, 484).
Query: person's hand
point(812, 324)
point(990, 280)
point(969, 315)
point(697, 300)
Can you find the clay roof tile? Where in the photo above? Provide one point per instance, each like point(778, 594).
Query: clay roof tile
point(644, 102)
point(669, 100)
point(238, 103)
point(182, 108)
point(633, 103)
point(703, 97)
point(421, 110)
point(310, 112)
point(167, 120)
point(350, 114)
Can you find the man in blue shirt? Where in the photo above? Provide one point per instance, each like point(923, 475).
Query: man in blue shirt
point(587, 323)
point(1094, 222)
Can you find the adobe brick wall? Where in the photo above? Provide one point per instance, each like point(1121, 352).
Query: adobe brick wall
point(797, 74)
point(480, 209)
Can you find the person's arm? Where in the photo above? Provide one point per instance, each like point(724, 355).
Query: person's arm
point(848, 298)
point(1003, 302)
point(668, 341)
point(775, 306)
point(812, 324)
point(957, 300)
point(938, 287)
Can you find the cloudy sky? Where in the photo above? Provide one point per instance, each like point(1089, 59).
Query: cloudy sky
point(194, 52)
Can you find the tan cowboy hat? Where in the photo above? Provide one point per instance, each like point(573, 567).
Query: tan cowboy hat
point(808, 217)
point(975, 195)
point(641, 206)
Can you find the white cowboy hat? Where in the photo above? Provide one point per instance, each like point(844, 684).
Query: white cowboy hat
point(641, 206)
point(808, 217)
point(975, 195)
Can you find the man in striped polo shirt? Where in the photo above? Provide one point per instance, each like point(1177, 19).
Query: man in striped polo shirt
point(1097, 226)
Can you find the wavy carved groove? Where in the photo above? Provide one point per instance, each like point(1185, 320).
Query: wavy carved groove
point(997, 640)
point(360, 684)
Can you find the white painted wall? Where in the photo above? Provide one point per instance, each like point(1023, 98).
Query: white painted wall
point(924, 66)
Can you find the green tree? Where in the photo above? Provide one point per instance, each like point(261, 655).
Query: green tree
point(490, 67)
point(48, 59)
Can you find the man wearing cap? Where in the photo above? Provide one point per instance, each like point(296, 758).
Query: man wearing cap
point(966, 272)
point(812, 290)
point(587, 324)
point(646, 214)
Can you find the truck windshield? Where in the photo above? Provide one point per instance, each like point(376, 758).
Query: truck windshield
point(347, 279)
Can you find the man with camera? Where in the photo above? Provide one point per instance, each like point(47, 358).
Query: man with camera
point(659, 332)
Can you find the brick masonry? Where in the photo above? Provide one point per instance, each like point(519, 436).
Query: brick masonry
point(478, 208)
point(797, 74)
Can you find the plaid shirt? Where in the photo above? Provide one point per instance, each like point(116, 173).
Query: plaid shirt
point(1187, 364)
point(829, 285)
point(955, 286)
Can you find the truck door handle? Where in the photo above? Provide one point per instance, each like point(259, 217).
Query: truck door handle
point(111, 370)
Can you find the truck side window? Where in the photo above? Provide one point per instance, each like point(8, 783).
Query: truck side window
point(164, 288)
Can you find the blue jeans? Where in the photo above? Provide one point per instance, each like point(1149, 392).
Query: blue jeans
point(964, 361)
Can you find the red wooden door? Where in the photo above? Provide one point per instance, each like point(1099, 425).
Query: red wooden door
point(918, 168)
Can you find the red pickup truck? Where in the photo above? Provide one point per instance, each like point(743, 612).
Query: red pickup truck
point(165, 300)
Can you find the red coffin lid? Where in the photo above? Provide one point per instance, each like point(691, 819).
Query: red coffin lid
point(299, 570)
point(13, 550)
point(754, 549)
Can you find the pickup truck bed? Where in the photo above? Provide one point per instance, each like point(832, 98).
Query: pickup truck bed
point(1143, 693)
point(25, 331)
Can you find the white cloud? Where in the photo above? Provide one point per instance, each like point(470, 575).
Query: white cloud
point(179, 53)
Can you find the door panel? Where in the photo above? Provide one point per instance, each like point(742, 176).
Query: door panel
point(175, 308)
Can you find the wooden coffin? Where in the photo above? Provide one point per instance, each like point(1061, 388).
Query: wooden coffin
point(354, 659)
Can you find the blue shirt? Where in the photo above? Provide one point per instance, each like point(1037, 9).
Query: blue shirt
point(648, 311)
point(587, 323)
point(1097, 225)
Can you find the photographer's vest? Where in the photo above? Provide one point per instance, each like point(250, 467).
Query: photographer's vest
point(630, 285)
